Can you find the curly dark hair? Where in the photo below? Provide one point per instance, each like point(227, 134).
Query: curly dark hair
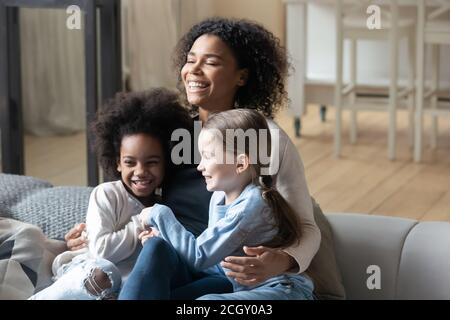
point(156, 112)
point(256, 49)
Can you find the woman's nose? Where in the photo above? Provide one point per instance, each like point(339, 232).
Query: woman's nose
point(195, 68)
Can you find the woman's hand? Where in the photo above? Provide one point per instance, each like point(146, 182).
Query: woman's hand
point(260, 264)
point(147, 234)
point(75, 238)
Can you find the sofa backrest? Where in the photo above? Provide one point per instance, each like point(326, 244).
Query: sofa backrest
point(392, 258)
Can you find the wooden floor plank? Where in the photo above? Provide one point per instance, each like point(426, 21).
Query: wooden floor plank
point(374, 197)
point(415, 198)
point(440, 210)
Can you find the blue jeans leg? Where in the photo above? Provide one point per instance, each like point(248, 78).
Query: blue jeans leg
point(160, 274)
point(157, 268)
point(293, 289)
point(205, 285)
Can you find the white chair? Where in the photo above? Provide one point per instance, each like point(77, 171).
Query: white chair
point(351, 23)
point(433, 27)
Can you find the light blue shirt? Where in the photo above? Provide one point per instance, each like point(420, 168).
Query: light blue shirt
point(247, 221)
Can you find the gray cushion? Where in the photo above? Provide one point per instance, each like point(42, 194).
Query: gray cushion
point(14, 188)
point(54, 210)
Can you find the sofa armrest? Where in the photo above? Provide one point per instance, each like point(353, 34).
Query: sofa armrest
point(424, 271)
point(365, 240)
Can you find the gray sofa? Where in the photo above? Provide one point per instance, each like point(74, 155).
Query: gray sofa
point(413, 257)
point(379, 257)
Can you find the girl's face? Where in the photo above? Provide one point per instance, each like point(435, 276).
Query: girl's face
point(211, 75)
point(141, 164)
point(219, 175)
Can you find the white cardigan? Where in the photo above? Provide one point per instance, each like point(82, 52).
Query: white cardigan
point(112, 227)
point(290, 181)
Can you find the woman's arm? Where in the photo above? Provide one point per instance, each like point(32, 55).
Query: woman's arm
point(291, 183)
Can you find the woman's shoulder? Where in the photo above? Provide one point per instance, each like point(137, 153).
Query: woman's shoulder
point(275, 129)
point(283, 149)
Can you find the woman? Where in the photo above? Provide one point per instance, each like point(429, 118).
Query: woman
point(225, 64)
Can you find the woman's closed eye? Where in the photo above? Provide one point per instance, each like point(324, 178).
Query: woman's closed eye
point(212, 62)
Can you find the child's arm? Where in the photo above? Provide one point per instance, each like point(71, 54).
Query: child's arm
point(212, 246)
point(106, 240)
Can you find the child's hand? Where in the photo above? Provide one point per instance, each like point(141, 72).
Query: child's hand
point(76, 237)
point(144, 217)
point(147, 234)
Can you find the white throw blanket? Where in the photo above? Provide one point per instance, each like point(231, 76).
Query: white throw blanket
point(26, 257)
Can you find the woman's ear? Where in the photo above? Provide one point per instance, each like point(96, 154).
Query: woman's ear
point(242, 163)
point(119, 167)
point(243, 77)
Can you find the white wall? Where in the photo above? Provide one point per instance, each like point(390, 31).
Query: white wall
point(270, 13)
point(373, 56)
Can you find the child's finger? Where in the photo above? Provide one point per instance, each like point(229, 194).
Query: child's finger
point(146, 233)
point(79, 247)
point(72, 233)
point(75, 244)
point(145, 238)
point(142, 234)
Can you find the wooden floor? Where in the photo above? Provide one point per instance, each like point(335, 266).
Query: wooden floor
point(362, 180)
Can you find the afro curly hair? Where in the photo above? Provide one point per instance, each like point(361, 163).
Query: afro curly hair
point(156, 112)
point(256, 49)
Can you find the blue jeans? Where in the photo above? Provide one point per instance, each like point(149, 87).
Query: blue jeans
point(71, 279)
point(160, 274)
point(293, 288)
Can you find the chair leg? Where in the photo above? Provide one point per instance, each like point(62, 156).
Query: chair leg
point(393, 45)
point(420, 55)
point(297, 126)
point(434, 97)
point(353, 71)
point(411, 80)
point(338, 86)
point(323, 113)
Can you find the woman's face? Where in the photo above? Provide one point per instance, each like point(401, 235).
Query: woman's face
point(141, 164)
point(211, 75)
